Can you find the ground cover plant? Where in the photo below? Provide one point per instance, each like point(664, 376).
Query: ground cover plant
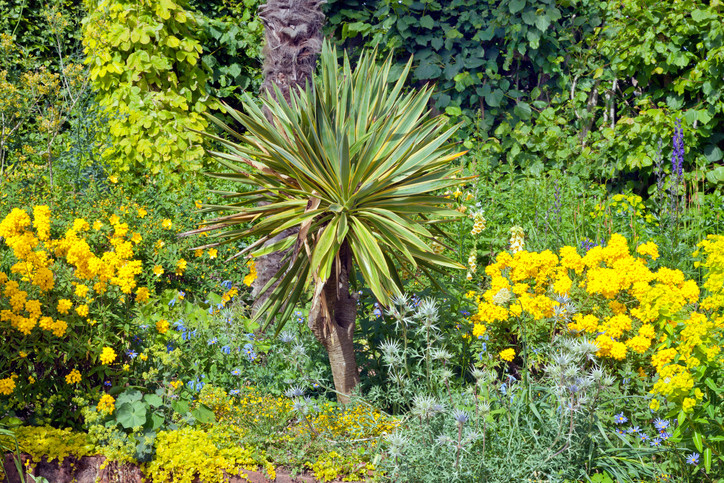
point(508, 261)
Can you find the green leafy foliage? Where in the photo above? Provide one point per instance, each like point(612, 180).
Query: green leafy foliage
point(144, 60)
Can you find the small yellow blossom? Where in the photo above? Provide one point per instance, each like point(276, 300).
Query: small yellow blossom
point(158, 270)
point(212, 252)
point(73, 377)
point(166, 223)
point(142, 213)
point(162, 326)
point(108, 355)
point(507, 354)
point(106, 405)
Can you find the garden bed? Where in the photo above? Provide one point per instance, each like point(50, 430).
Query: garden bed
point(94, 469)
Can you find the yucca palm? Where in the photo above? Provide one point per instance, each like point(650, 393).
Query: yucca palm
point(355, 165)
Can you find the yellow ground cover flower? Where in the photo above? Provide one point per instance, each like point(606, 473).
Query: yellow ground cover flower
point(166, 223)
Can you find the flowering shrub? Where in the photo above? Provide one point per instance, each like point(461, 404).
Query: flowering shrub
point(631, 312)
point(62, 304)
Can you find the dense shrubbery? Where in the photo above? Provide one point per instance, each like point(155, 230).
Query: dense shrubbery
point(582, 343)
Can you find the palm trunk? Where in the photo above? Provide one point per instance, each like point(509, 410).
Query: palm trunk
point(293, 32)
point(332, 320)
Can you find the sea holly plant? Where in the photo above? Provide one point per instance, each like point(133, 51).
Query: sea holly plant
point(355, 165)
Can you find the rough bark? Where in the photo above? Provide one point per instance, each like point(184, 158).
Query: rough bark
point(293, 33)
point(332, 321)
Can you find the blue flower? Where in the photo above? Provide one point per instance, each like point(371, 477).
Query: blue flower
point(656, 442)
point(172, 302)
point(661, 424)
point(464, 313)
point(199, 386)
point(633, 429)
point(620, 418)
point(213, 341)
point(144, 326)
point(131, 354)
point(226, 284)
point(179, 324)
point(643, 436)
point(108, 383)
point(377, 312)
point(693, 459)
point(234, 392)
point(169, 347)
point(250, 336)
point(226, 349)
point(664, 435)
point(236, 372)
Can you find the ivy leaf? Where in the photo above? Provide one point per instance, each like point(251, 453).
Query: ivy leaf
point(437, 43)
point(516, 6)
point(427, 22)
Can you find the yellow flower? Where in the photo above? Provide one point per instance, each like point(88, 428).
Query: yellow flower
point(97, 225)
point(126, 367)
point(108, 355)
point(81, 290)
point(197, 203)
point(64, 306)
point(114, 220)
point(23, 354)
point(31, 380)
point(73, 377)
point(158, 270)
point(212, 252)
point(654, 405)
point(142, 213)
point(176, 384)
point(7, 386)
point(166, 223)
point(162, 326)
point(507, 354)
point(113, 179)
point(136, 238)
point(142, 295)
point(82, 310)
point(144, 357)
point(198, 253)
point(106, 405)
point(181, 266)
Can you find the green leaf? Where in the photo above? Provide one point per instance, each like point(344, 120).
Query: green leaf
point(494, 97)
point(542, 22)
point(427, 70)
point(153, 400)
point(131, 415)
point(427, 22)
point(707, 460)
point(698, 441)
point(203, 414)
point(522, 110)
point(516, 6)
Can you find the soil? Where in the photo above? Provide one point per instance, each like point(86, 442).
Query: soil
point(88, 470)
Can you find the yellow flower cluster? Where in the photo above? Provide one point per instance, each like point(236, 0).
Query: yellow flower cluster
point(621, 303)
point(108, 355)
point(7, 386)
point(191, 454)
point(106, 404)
point(507, 354)
point(36, 254)
point(478, 224)
point(162, 326)
point(74, 377)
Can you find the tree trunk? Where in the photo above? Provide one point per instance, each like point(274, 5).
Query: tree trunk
point(332, 320)
point(293, 32)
